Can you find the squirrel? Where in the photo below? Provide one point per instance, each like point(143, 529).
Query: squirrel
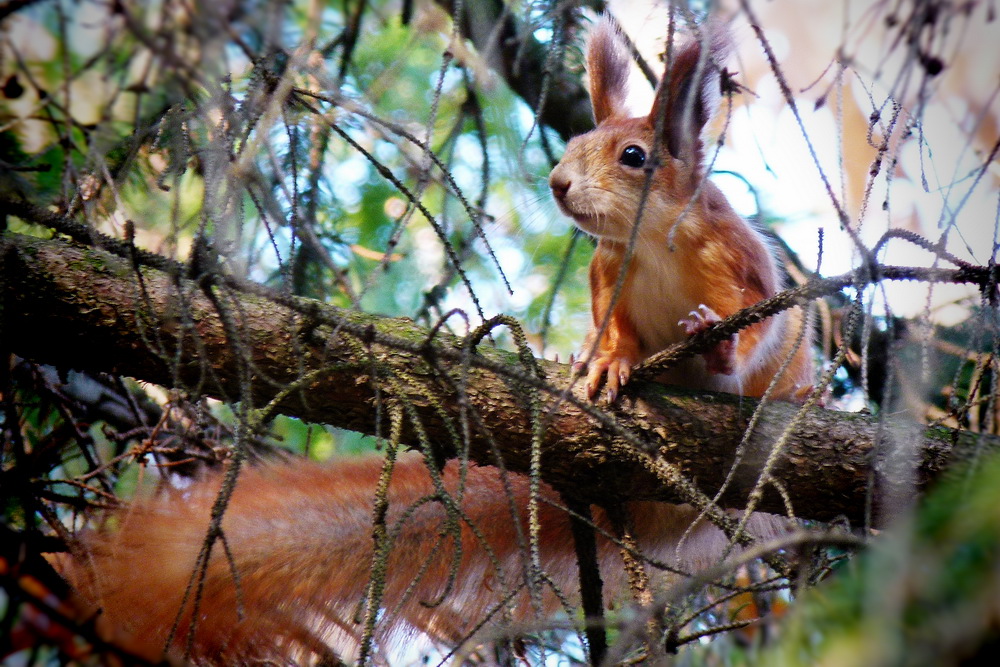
point(694, 260)
point(288, 583)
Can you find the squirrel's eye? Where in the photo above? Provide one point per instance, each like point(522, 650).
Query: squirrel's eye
point(633, 156)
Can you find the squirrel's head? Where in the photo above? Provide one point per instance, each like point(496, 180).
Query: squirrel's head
point(601, 178)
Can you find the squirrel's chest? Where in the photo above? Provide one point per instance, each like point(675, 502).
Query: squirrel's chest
point(660, 295)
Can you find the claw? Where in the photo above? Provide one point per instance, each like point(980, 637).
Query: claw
point(698, 321)
point(594, 380)
point(720, 360)
point(592, 386)
point(613, 370)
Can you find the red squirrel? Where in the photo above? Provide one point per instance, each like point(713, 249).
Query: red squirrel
point(694, 259)
point(300, 534)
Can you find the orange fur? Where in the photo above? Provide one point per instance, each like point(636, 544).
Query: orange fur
point(300, 535)
point(691, 248)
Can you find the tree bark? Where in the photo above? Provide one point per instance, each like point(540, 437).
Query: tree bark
point(75, 306)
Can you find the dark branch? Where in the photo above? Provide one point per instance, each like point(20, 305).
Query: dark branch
point(513, 52)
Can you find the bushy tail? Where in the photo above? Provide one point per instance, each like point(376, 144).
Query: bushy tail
point(300, 543)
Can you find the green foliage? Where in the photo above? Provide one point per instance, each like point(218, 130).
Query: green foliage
point(923, 594)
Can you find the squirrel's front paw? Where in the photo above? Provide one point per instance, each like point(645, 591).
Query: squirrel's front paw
point(617, 368)
point(721, 359)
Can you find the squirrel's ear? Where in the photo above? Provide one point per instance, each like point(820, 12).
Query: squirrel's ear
point(608, 62)
point(688, 94)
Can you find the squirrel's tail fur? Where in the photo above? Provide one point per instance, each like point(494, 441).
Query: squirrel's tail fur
point(300, 541)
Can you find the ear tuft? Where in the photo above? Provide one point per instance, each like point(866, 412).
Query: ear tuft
point(608, 63)
point(688, 94)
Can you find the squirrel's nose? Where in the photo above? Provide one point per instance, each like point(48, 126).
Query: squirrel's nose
point(559, 184)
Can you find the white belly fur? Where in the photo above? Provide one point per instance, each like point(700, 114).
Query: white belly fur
point(656, 303)
point(659, 299)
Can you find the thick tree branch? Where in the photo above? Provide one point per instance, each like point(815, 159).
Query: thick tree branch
point(79, 307)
